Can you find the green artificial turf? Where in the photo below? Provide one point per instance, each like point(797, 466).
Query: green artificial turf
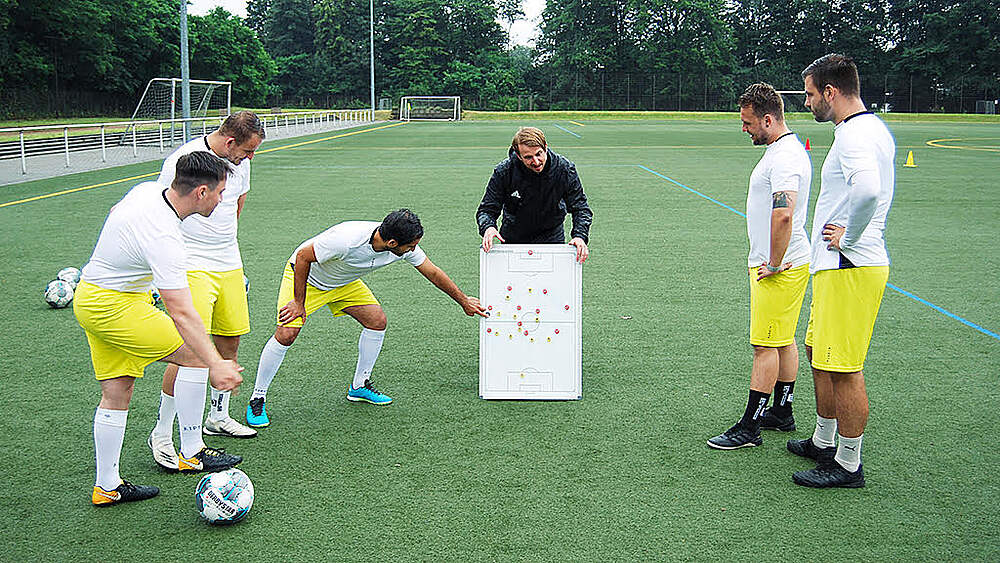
point(623, 474)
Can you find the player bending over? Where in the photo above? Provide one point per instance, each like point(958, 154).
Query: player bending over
point(326, 270)
point(141, 243)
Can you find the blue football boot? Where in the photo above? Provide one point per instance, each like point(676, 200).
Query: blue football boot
point(257, 413)
point(368, 394)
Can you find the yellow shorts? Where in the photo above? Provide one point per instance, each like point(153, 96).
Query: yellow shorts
point(842, 316)
point(221, 300)
point(125, 331)
point(338, 299)
point(775, 304)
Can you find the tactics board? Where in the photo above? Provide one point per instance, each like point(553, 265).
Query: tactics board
point(530, 345)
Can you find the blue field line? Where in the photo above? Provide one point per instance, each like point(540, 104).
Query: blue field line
point(567, 130)
point(900, 290)
point(695, 192)
point(944, 311)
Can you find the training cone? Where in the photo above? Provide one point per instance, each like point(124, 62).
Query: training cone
point(909, 160)
point(807, 144)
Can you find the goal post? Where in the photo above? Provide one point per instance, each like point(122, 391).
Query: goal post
point(161, 100)
point(430, 108)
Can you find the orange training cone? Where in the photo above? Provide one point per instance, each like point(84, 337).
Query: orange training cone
point(909, 160)
point(807, 144)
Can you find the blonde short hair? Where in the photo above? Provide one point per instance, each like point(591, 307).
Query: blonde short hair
point(529, 137)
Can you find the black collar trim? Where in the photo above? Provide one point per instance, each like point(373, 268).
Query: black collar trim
point(163, 194)
point(782, 137)
point(853, 115)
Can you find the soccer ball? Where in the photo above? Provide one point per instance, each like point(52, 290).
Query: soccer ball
point(224, 497)
point(58, 293)
point(71, 275)
point(154, 296)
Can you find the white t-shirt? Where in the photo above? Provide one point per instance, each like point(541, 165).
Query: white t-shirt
point(140, 245)
point(856, 193)
point(211, 241)
point(785, 167)
point(344, 253)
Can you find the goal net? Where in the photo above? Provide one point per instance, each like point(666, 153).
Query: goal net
point(794, 100)
point(162, 100)
point(986, 106)
point(430, 108)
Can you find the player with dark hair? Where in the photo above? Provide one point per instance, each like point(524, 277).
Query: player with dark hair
point(326, 270)
point(777, 205)
point(850, 267)
point(534, 188)
point(140, 244)
point(215, 275)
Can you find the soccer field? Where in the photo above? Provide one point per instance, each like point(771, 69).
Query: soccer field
point(624, 474)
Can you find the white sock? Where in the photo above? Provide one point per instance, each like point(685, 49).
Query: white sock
point(189, 395)
point(109, 433)
point(826, 431)
point(849, 453)
point(369, 346)
point(270, 360)
point(220, 405)
point(165, 417)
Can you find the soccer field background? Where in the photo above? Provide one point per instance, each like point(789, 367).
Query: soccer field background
point(624, 474)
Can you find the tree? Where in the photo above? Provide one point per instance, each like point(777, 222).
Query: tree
point(341, 43)
point(223, 48)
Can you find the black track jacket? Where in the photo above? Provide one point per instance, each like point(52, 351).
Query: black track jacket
point(534, 205)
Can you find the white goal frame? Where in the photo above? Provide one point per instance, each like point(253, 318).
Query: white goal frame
point(199, 107)
point(153, 106)
point(405, 103)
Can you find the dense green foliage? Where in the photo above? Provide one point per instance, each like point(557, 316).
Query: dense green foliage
point(113, 49)
point(918, 55)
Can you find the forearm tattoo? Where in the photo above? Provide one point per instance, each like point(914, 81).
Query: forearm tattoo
point(779, 200)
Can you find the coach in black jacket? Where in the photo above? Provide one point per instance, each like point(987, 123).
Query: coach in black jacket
point(535, 188)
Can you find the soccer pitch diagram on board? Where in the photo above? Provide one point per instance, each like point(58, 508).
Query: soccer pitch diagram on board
point(530, 344)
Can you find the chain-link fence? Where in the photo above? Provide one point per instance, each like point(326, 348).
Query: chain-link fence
point(600, 90)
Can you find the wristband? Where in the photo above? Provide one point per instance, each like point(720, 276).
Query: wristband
point(772, 269)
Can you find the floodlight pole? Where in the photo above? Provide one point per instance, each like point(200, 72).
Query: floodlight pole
point(371, 52)
point(185, 71)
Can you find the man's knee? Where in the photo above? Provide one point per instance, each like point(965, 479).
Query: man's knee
point(184, 357)
point(116, 393)
point(286, 335)
point(764, 351)
point(371, 317)
point(226, 345)
point(377, 321)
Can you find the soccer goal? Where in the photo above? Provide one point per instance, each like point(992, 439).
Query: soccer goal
point(795, 100)
point(988, 107)
point(162, 100)
point(430, 108)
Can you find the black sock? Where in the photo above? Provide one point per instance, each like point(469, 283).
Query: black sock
point(755, 406)
point(782, 405)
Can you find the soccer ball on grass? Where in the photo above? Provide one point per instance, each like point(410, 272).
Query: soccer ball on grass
point(58, 294)
point(70, 274)
point(224, 497)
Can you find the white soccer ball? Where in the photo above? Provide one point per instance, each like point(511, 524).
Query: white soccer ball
point(58, 294)
point(70, 274)
point(154, 296)
point(224, 497)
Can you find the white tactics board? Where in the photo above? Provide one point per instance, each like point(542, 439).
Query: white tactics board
point(530, 345)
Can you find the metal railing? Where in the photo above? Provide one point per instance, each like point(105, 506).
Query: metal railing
point(163, 134)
